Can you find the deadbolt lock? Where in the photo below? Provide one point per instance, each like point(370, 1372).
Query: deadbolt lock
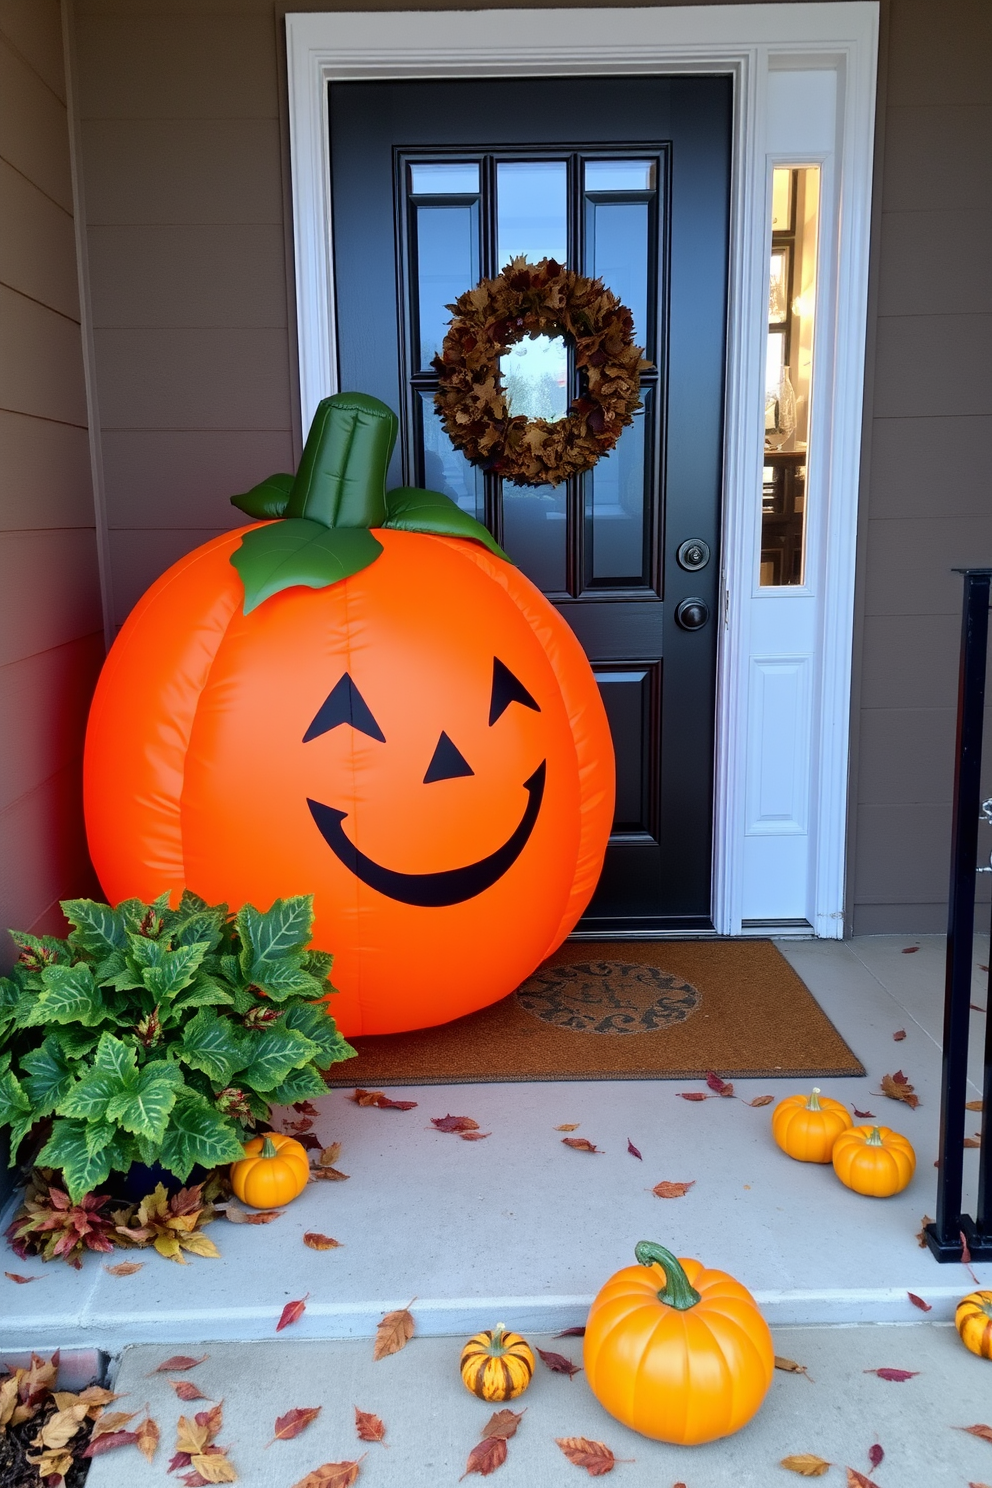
point(693, 555)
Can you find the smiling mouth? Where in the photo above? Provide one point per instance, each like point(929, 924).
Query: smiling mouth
point(432, 890)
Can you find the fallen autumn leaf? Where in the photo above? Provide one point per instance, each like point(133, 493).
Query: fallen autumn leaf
point(124, 1268)
point(317, 1241)
point(292, 1313)
point(895, 1376)
point(369, 1426)
point(760, 1100)
point(503, 1423)
point(293, 1422)
point(233, 1211)
point(876, 1455)
point(186, 1390)
point(381, 1099)
point(667, 1190)
point(332, 1475)
point(569, 1126)
point(899, 1035)
point(791, 1367)
point(23, 1280)
point(579, 1144)
point(558, 1364)
point(633, 1150)
point(177, 1363)
point(451, 1123)
point(147, 1437)
point(486, 1456)
point(863, 1115)
point(693, 1095)
point(856, 1479)
point(924, 1307)
point(594, 1456)
point(720, 1086)
point(898, 1088)
point(806, 1464)
point(984, 1432)
point(577, 1332)
point(393, 1333)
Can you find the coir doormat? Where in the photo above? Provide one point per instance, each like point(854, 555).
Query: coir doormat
point(635, 1010)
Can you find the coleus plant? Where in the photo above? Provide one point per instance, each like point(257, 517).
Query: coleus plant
point(160, 1035)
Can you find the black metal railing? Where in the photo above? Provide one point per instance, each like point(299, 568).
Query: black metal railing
point(951, 1231)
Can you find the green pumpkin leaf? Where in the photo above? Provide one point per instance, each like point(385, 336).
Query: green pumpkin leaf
point(144, 1106)
point(299, 1085)
point(316, 1024)
point(50, 1075)
point(271, 1054)
point(96, 927)
point(214, 1046)
point(198, 1133)
point(69, 995)
point(268, 499)
point(296, 551)
point(410, 509)
point(82, 1170)
point(282, 930)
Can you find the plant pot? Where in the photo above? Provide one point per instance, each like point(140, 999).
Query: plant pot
point(140, 1180)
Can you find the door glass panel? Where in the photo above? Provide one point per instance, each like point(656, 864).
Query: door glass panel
point(445, 178)
point(615, 510)
point(617, 250)
point(447, 265)
point(534, 529)
point(445, 468)
point(531, 210)
point(788, 374)
point(534, 373)
point(620, 175)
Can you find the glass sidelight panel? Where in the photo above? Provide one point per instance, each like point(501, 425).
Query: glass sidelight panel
point(531, 210)
point(616, 507)
point(617, 247)
point(788, 374)
point(534, 533)
point(447, 262)
point(445, 468)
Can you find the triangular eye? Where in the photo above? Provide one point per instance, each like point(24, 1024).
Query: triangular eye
point(344, 704)
point(506, 690)
point(447, 762)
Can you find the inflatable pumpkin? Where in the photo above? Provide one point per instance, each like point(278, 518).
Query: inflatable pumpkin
point(363, 699)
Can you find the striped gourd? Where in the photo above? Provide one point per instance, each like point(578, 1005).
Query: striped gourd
point(973, 1320)
point(497, 1365)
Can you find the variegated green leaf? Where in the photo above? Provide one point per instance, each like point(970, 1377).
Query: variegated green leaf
point(214, 1046)
point(82, 1170)
point(69, 995)
point(279, 931)
point(50, 1075)
point(144, 1106)
point(271, 1054)
point(198, 1133)
point(96, 927)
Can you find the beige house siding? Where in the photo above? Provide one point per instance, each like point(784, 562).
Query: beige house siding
point(51, 626)
point(185, 171)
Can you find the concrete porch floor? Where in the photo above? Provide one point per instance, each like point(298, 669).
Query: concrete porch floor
point(520, 1228)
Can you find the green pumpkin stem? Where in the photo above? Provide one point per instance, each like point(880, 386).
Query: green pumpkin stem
point(341, 481)
point(678, 1291)
point(496, 1344)
point(875, 1140)
point(269, 1148)
point(813, 1104)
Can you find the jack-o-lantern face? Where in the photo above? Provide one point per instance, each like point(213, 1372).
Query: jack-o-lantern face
point(345, 705)
point(420, 744)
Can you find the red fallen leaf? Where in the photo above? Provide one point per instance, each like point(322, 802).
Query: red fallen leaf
point(393, 1332)
point(299, 1126)
point(633, 1150)
point(316, 1241)
point(305, 1108)
point(21, 1280)
point(978, 1485)
point(693, 1095)
point(985, 1432)
point(485, 1457)
point(897, 1376)
point(369, 1426)
point(451, 1123)
point(924, 1307)
point(123, 1268)
point(293, 1422)
point(177, 1363)
point(579, 1332)
point(579, 1144)
point(332, 1475)
point(899, 1035)
point(594, 1456)
point(310, 1141)
point(760, 1100)
point(720, 1086)
point(291, 1313)
point(471, 1136)
point(856, 1479)
point(975, 1008)
point(558, 1364)
point(503, 1423)
point(380, 1099)
point(186, 1390)
point(233, 1211)
point(666, 1190)
point(863, 1115)
point(107, 1443)
point(875, 1455)
point(910, 950)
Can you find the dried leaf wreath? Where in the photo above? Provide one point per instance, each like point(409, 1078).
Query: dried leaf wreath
point(531, 300)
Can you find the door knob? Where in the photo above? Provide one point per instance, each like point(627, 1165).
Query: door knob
point(692, 614)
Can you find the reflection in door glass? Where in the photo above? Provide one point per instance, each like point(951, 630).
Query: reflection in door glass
point(445, 178)
point(531, 210)
point(446, 469)
point(534, 529)
point(618, 249)
point(615, 511)
point(448, 258)
point(788, 374)
point(620, 175)
point(534, 374)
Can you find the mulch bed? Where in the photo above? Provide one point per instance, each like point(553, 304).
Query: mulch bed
point(15, 1444)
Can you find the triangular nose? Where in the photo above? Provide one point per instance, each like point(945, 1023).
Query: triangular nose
point(447, 762)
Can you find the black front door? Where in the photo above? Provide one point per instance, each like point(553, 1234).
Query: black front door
point(438, 184)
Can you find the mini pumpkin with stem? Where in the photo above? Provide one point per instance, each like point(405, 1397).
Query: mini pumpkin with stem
point(497, 1365)
point(973, 1320)
point(807, 1127)
point(274, 1169)
point(873, 1160)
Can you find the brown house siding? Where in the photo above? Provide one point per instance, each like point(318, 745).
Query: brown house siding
point(51, 627)
point(185, 171)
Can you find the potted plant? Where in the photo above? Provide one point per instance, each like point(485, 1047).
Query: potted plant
point(161, 1036)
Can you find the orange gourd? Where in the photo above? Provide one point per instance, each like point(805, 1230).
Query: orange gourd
point(274, 1169)
point(497, 1365)
point(807, 1127)
point(421, 744)
point(677, 1351)
point(973, 1320)
point(873, 1160)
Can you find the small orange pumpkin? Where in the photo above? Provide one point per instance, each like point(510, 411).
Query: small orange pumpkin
point(873, 1160)
point(274, 1169)
point(497, 1365)
point(973, 1320)
point(676, 1351)
point(806, 1128)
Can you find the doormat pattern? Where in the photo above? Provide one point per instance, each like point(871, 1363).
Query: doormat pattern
point(733, 1006)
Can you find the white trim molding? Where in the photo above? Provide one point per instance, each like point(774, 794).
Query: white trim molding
point(762, 47)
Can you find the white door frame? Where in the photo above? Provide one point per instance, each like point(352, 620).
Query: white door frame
point(762, 47)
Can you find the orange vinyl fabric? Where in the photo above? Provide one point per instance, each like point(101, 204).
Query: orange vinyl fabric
point(197, 773)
